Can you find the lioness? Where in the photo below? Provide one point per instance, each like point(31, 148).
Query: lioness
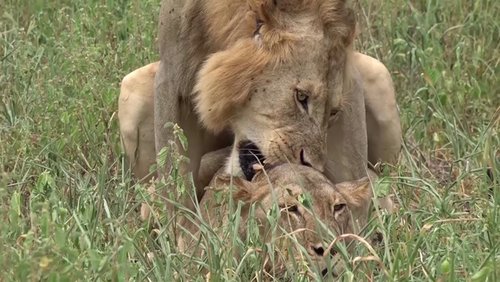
point(307, 202)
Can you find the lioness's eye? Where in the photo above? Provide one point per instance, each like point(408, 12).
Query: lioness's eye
point(339, 207)
point(302, 98)
point(292, 208)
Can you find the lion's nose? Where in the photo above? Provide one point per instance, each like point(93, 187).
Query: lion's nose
point(304, 160)
point(307, 160)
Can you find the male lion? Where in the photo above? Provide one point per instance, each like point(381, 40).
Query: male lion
point(307, 202)
point(262, 70)
point(135, 111)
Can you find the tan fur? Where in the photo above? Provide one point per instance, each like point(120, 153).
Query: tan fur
point(224, 83)
point(135, 106)
point(383, 127)
point(209, 43)
point(286, 185)
point(305, 41)
point(229, 77)
point(382, 114)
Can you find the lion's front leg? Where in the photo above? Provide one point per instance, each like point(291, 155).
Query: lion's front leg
point(368, 128)
point(181, 42)
point(166, 87)
point(346, 137)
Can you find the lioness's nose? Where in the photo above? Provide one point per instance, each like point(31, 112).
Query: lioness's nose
point(318, 249)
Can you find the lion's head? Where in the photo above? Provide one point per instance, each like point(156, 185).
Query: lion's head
point(281, 78)
point(303, 201)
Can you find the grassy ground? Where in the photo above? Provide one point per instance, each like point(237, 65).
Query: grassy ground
point(66, 207)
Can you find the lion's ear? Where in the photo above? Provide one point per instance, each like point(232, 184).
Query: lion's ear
point(269, 11)
point(282, 5)
point(358, 193)
point(224, 83)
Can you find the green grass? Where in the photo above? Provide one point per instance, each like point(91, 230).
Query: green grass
point(69, 211)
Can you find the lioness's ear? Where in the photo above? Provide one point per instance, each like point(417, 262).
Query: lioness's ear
point(250, 192)
point(358, 193)
point(244, 190)
point(224, 83)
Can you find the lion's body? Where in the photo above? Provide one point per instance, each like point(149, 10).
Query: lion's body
point(210, 48)
point(136, 115)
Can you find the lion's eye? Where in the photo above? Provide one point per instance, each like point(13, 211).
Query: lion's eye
point(302, 98)
point(334, 113)
point(258, 24)
point(339, 208)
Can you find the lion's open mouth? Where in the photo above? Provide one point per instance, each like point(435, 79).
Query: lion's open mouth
point(249, 154)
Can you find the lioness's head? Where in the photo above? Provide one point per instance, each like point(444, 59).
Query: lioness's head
point(278, 85)
point(306, 201)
